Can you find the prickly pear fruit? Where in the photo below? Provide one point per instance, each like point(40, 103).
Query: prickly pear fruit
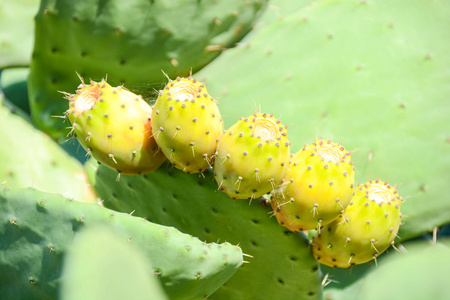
point(366, 229)
point(187, 124)
point(113, 125)
point(317, 187)
point(252, 157)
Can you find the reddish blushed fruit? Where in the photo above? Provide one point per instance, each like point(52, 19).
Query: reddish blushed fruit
point(113, 125)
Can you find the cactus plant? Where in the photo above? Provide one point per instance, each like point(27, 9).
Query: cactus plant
point(187, 124)
point(252, 157)
point(39, 228)
point(372, 74)
point(114, 126)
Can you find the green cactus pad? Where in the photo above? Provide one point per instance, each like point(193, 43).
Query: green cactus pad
point(317, 188)
point(282, 266)
point(372, 74)
point(187, 124)
point(29, 158)
point(366, 228)
point(101, 264)
point(113, 125)
point(38, 229)
point(419, 271)
point(131, 41)
point(252, 157)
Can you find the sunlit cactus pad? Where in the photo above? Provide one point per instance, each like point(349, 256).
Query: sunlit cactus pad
point(29, 158)
point(399, 275)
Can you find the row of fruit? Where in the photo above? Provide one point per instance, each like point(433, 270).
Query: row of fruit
point(311, 189)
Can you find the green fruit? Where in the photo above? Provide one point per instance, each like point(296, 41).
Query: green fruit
point(367, 227)
point(252, 157)
point(113, 125)
point(318, 186)
point(187, 124)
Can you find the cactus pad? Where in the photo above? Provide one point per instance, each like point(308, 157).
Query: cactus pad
point(252, 157)
point(421, 272)
point(38, 229)
point(187, 124)
point(317, 188)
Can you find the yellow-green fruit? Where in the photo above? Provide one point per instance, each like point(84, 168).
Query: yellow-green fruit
point(187, 125)
point(252, 157)
point(317, 188)
point(113, 125)
point(366, 229)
